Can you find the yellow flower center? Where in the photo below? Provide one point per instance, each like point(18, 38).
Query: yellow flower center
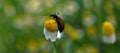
point(50, 25)
point(108, 28)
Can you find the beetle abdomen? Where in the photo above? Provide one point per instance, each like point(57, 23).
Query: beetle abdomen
point(60, 24)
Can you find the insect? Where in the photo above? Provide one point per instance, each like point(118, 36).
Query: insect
point(59, 22)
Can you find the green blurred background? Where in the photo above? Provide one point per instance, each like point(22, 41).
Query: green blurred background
point(21, 25)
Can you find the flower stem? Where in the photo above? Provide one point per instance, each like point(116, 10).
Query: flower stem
point(54, 47)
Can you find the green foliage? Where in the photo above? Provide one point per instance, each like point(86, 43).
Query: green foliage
point(21, 25)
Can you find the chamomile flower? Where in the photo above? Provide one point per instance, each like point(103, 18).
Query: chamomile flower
point(53, 28)
point(109, 35)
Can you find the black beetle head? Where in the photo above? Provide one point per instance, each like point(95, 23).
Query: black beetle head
point(54, 15)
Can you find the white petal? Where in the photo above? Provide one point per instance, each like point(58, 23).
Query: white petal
point(53, 36)
point(59, 35)
point(46, 33)
point(109, 39)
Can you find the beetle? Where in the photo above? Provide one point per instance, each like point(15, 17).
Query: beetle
point(59, 22)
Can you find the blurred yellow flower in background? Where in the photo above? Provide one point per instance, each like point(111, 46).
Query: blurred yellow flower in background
point(32, 45)
point(108, 7)
point(88, 18)
point(108, 28)
point(87, 49)
point(72, 32)
point(108, 33)
point(117, 2)
point(91, 31)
